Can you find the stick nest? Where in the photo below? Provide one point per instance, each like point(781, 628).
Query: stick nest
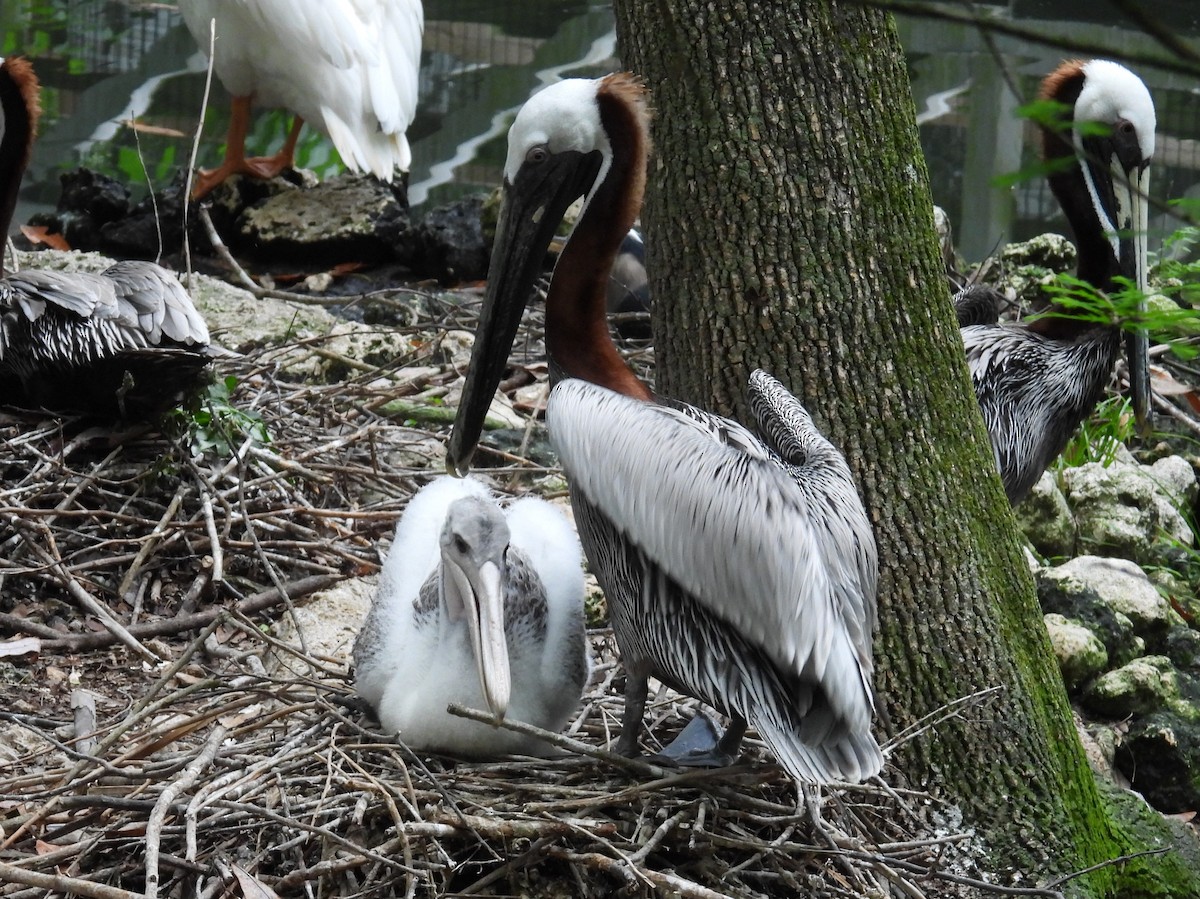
point(152, 744)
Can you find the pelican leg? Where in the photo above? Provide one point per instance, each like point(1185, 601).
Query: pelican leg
point(270, 166)
point(702, 745)
point(236, 163)
point(637, 685)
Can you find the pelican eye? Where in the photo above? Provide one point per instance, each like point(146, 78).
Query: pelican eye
point(460, 545)
point(537, 155)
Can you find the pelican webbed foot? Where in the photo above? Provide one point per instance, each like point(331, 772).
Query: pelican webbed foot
point(702, 745)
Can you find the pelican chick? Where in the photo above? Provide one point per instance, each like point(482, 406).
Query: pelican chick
point(479, 606)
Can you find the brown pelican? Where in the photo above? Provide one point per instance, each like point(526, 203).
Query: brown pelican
point(76, 341)
point(475, 605)
point(1037, 380)
point(628, 286)
point(739, 571)
point(349, 67)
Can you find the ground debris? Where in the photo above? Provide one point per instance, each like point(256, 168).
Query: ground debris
point(159, 757)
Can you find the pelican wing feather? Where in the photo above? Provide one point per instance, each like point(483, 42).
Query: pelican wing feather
point(678, 494)
point(159, 301)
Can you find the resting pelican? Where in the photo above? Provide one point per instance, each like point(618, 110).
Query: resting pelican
point(475, 605)
point(76, 341)
point(348, 67)
point(628, 286)
point(1037, 380)
point(736, 570)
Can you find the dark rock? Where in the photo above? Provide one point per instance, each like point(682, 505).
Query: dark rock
point(513, 442)
point(150, 226)
point(1161, 757)
point(450, 242)
point(348, 218)
point(1072, 599)
point(1183, 649)
point(88, 201)
point(102, 198)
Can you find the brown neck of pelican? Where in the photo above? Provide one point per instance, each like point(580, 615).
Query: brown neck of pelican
point(19, 112)
point(577, 335)
point(1096, 263)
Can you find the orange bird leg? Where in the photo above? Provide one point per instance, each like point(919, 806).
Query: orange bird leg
point(236, 163)
point(270, 166)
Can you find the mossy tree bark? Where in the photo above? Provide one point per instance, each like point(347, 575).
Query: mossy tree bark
point(789, 227)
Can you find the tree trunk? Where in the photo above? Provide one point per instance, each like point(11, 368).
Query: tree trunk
point(789, 227)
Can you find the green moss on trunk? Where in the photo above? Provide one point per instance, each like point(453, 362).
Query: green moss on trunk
point(790, 228)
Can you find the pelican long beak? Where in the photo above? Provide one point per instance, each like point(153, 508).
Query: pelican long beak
point(531, 211)
point(477, 595)
point(1119, 196)
point(1131, 198)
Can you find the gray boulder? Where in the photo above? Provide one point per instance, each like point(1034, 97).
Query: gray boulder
point(1128, 510)
point(1067, 594)
point(1080, 653)
point(1125, 589)
point(1143, 686)
point(1046, 520)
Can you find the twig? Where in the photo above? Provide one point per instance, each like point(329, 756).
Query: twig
point(634, 766)
point(73, 886)
point(218, 245)
point(256, 603)
point(167, 798)
point(117, 630)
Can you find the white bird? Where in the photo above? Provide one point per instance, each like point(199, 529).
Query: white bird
point(348, 67)
point(739, 570)
point(121, 341)
point(476, 605)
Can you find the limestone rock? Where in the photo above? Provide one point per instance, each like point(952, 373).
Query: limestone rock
point(1138, 688)
point(1081, 655)
point(1063, 592)
point(1183, 649)
point(350, 217)
point(1125, 589)
point(1046, 520)
point(1122, 509)
point(329, 621)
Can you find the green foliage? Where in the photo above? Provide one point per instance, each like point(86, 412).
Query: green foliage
point(1050, 115)
point(1127, 307)
point(1101, 435)
point(215, 426)
point(1176, 266)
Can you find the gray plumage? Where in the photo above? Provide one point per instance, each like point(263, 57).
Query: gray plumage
point(738, 571)
point(77, 341)
point(1033, 392)
point(68, 339)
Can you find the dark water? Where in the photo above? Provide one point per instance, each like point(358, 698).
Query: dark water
point(104, 64)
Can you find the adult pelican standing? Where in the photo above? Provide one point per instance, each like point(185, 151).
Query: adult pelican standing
point(724, 578)
point(349, 67)
point(1037, 380)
